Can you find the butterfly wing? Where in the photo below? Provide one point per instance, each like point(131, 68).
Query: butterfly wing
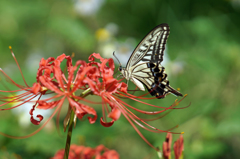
point(152, 47)
point(144, 66)
point(154, 78)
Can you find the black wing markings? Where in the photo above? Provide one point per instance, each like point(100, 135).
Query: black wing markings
point(163, 30)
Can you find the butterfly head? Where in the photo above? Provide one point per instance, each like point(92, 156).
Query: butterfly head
point(123, 72)
point(120, 68)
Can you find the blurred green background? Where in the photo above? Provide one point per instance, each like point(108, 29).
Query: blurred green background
point(202, 59)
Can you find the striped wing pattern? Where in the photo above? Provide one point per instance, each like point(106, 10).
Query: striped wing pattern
point(152, 47)
point(144, 66)
point(154, 78)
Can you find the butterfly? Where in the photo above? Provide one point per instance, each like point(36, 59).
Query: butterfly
point(144, 65)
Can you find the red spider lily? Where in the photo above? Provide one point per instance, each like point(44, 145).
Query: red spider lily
point(82, 152)
point(50, 77)
point(178, 147)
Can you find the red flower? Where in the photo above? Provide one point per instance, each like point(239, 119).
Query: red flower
point(50, 77)
point(82, 152)
point(178, 147)
point(53, 78)
point(167, 146)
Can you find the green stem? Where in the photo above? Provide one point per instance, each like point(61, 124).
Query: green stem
point(71, 123)
point(69, 136)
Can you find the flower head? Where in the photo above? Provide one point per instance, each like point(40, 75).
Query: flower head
point(51, 77)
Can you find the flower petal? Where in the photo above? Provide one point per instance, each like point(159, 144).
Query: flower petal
point(123, 87)
point(47, 105)
point(115, 114)
point(36, 88)
point(81, 110)
point(106, 124)
point(178, 147)
point(36, 122)
point(167, 146)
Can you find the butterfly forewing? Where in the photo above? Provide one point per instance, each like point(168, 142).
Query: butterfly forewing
point(151, 48)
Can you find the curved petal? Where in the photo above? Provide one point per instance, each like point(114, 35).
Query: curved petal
point(112, 85)
point(96, 55)
point(115, 114)
point(123, 87)
point(47, 105)
point(35, 88)
point(106, 124)
point(81, 110)
point(36, 122)
point(91, 111)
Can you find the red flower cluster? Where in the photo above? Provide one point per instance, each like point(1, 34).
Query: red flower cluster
point(92, 78)
point(178, 147)
point(82, 152)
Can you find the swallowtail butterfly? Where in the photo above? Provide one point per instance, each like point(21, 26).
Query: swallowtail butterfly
point(144, 65)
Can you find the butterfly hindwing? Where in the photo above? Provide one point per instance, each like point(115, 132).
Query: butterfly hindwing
point(154, 78)
point(160, 87)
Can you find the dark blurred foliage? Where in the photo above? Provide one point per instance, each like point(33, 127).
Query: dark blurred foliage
point(205, 36)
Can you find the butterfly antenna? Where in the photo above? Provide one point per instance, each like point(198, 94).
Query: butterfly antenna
point(117, 58)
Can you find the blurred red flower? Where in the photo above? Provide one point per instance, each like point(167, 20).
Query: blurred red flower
point(167, 146)
point(178, 147)
point(82, 152)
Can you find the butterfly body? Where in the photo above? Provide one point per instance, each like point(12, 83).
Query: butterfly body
point(144, 67)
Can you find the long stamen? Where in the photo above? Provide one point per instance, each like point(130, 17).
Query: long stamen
point(18, 66)
point(18, 85)
point(139, 133)
point(133, 117)
point(16, 105)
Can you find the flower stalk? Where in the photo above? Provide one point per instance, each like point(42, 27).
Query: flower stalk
point(69, 135)
point(71, 123)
